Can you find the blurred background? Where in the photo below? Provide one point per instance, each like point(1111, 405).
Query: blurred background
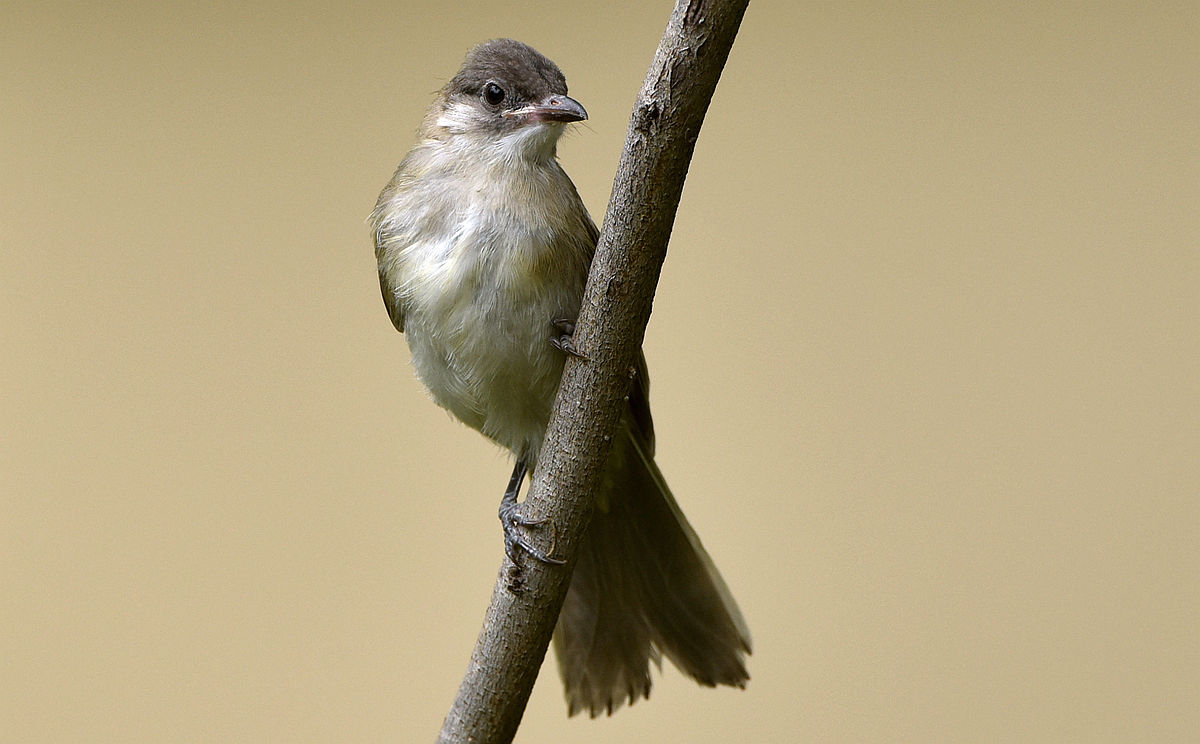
point(924, 358)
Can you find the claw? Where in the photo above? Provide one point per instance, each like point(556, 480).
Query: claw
point(515, 524)
point(514, 539)
point(564, 341)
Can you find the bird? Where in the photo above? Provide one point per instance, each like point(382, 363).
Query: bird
point(483, 246)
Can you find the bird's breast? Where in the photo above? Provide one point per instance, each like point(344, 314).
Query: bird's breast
point(481, 286)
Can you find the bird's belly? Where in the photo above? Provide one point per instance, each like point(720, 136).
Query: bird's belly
point(480, 292)
point(489, 361)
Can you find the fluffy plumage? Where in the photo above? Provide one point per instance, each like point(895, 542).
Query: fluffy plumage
point(482, 241)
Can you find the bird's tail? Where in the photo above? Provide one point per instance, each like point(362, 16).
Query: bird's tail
point(644, 587)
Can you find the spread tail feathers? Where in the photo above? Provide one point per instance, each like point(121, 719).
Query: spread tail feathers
point(644, 587)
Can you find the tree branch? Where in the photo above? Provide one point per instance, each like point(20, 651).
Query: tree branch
point(612, 322)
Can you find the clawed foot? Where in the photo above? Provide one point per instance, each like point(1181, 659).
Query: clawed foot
point(565, 338)
point(516, 527)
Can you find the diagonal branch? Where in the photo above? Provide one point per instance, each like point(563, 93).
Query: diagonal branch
point(633, 244)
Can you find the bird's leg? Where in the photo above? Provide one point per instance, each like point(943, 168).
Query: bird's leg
point(515, 523)
point(563, 340)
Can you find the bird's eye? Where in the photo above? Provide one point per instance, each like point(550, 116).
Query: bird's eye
point(493, 94)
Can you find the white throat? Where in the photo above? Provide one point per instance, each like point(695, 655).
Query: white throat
point(533, 143)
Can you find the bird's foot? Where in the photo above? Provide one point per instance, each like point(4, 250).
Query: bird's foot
point(564, 340)
point(516, 528)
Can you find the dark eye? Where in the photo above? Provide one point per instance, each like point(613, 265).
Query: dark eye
point(493, 94)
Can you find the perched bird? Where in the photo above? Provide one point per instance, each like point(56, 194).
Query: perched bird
point(483, 247)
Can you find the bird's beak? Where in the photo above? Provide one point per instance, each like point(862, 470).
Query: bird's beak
point(555, 108)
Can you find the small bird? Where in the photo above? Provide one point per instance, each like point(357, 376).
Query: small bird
point(483, 246)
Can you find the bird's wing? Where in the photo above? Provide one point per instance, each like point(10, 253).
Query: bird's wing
point(394, 308)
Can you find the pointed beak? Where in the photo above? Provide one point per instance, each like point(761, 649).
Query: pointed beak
point(555, 108)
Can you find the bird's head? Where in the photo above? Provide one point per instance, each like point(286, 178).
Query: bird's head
point(508, 98)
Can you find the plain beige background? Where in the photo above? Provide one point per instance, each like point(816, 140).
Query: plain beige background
point(924, 359)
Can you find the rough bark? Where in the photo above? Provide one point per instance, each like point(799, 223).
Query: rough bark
point(662, 135)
